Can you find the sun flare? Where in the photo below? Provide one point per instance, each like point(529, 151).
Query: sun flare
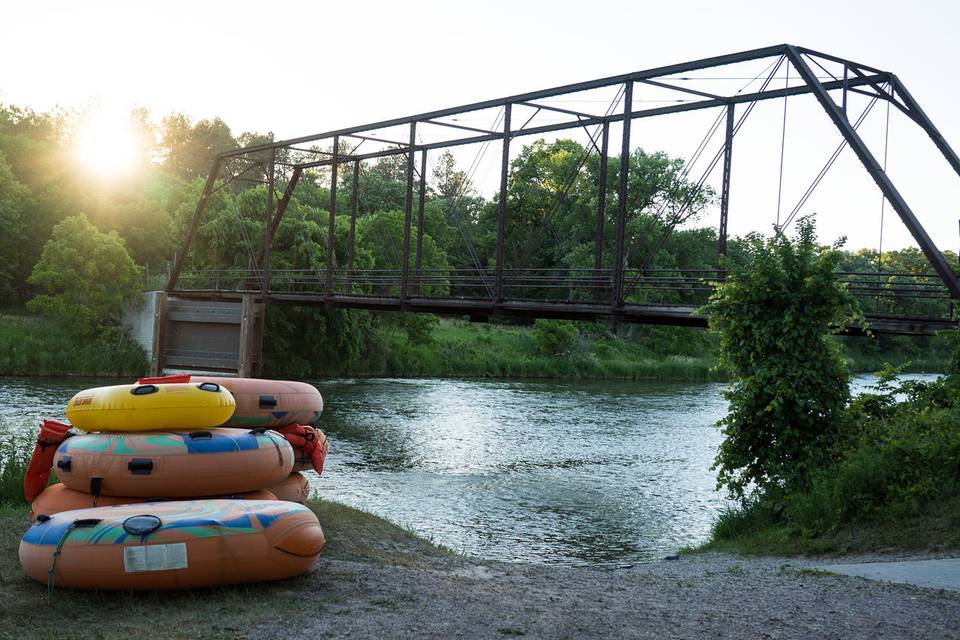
point(107, 145)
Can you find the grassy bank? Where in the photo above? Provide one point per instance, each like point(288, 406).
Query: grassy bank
point(757, 531)
point(36, 346)
point(225, 612)
point(464, 349)
point(892, 480)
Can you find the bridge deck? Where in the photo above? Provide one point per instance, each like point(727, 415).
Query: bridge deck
point(660, 314)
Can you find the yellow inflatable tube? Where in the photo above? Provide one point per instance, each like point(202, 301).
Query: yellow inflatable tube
point(148, 407)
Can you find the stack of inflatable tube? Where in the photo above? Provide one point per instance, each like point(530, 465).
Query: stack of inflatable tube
point(155, 452)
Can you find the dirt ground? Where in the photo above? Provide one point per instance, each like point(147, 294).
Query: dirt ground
point(694, 596)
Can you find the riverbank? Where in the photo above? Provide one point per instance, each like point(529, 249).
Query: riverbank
point(36, 346)
point(378, 580)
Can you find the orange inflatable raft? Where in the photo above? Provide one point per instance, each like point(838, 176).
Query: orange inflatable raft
point(260, 403)
point(57, 498)
point(174, 464)
point(172, 545)
point(296, 488)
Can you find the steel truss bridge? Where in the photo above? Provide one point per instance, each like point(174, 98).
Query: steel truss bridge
point(614, 292)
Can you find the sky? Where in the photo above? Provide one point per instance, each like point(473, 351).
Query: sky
point(295, 68)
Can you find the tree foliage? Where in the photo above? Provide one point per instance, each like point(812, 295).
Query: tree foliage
point(85, 276)
point(774, 314)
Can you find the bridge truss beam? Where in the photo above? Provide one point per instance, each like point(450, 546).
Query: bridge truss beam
point(294, 157)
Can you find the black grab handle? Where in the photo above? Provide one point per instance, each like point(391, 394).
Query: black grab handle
point(145, 389)
point(140, 466)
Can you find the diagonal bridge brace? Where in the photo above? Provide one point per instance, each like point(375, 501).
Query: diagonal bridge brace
point(870, 163)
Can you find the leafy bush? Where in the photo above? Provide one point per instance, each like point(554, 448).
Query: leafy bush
point(554, 337)
point(774, 313)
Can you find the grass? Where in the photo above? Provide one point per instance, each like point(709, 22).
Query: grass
point(14, 457)
point(36, 346)
point(219, 613)
point(749, 532)
point(457, 348)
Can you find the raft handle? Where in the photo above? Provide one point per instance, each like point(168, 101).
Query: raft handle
point(64, 463)
point(209, 386)
point(140, 466)
point(87, 522)
point(144, 389)
point(258, 431)
point(268, 402)
point(201, 435)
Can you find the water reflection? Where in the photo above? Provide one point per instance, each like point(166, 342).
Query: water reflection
point(572, 472)
point(556, 472)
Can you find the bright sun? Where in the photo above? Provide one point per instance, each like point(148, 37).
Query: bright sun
point(107, 144)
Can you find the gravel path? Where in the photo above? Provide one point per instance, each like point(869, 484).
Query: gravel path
point(695, 596)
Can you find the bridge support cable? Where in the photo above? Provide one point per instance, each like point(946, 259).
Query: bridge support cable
point(458, 198)
point(331, 220)
point(883, 202)
point(192, 229)
point(618, 266)
point(826, 167)
point(601, 212)
point(268, 220)
point(502, 208)
point(534, 242)
point(421, 203)
point(351, 241)
point(678, 217)
point(407, 215)
point(870, 163)
point(281, 208)
point(254, 261)
point(725, 189)
point(783, 137)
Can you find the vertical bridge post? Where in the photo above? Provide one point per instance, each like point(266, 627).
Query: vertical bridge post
point(353, 226)
point(331, 221)
point(268, 229)
point(502, 208)
point(618, 295)
point(408, 215)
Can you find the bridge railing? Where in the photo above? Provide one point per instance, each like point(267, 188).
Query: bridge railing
point(918, 295)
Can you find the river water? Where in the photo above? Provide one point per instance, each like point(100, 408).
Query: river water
point(599, 473)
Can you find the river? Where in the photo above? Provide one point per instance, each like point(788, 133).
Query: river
point(599, 473)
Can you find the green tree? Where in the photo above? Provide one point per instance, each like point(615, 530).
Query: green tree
point(85, 277)
point(774, 314)
point(188, 149)
point(15, 203)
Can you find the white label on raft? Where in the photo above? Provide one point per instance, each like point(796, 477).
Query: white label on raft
point(155, 557)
